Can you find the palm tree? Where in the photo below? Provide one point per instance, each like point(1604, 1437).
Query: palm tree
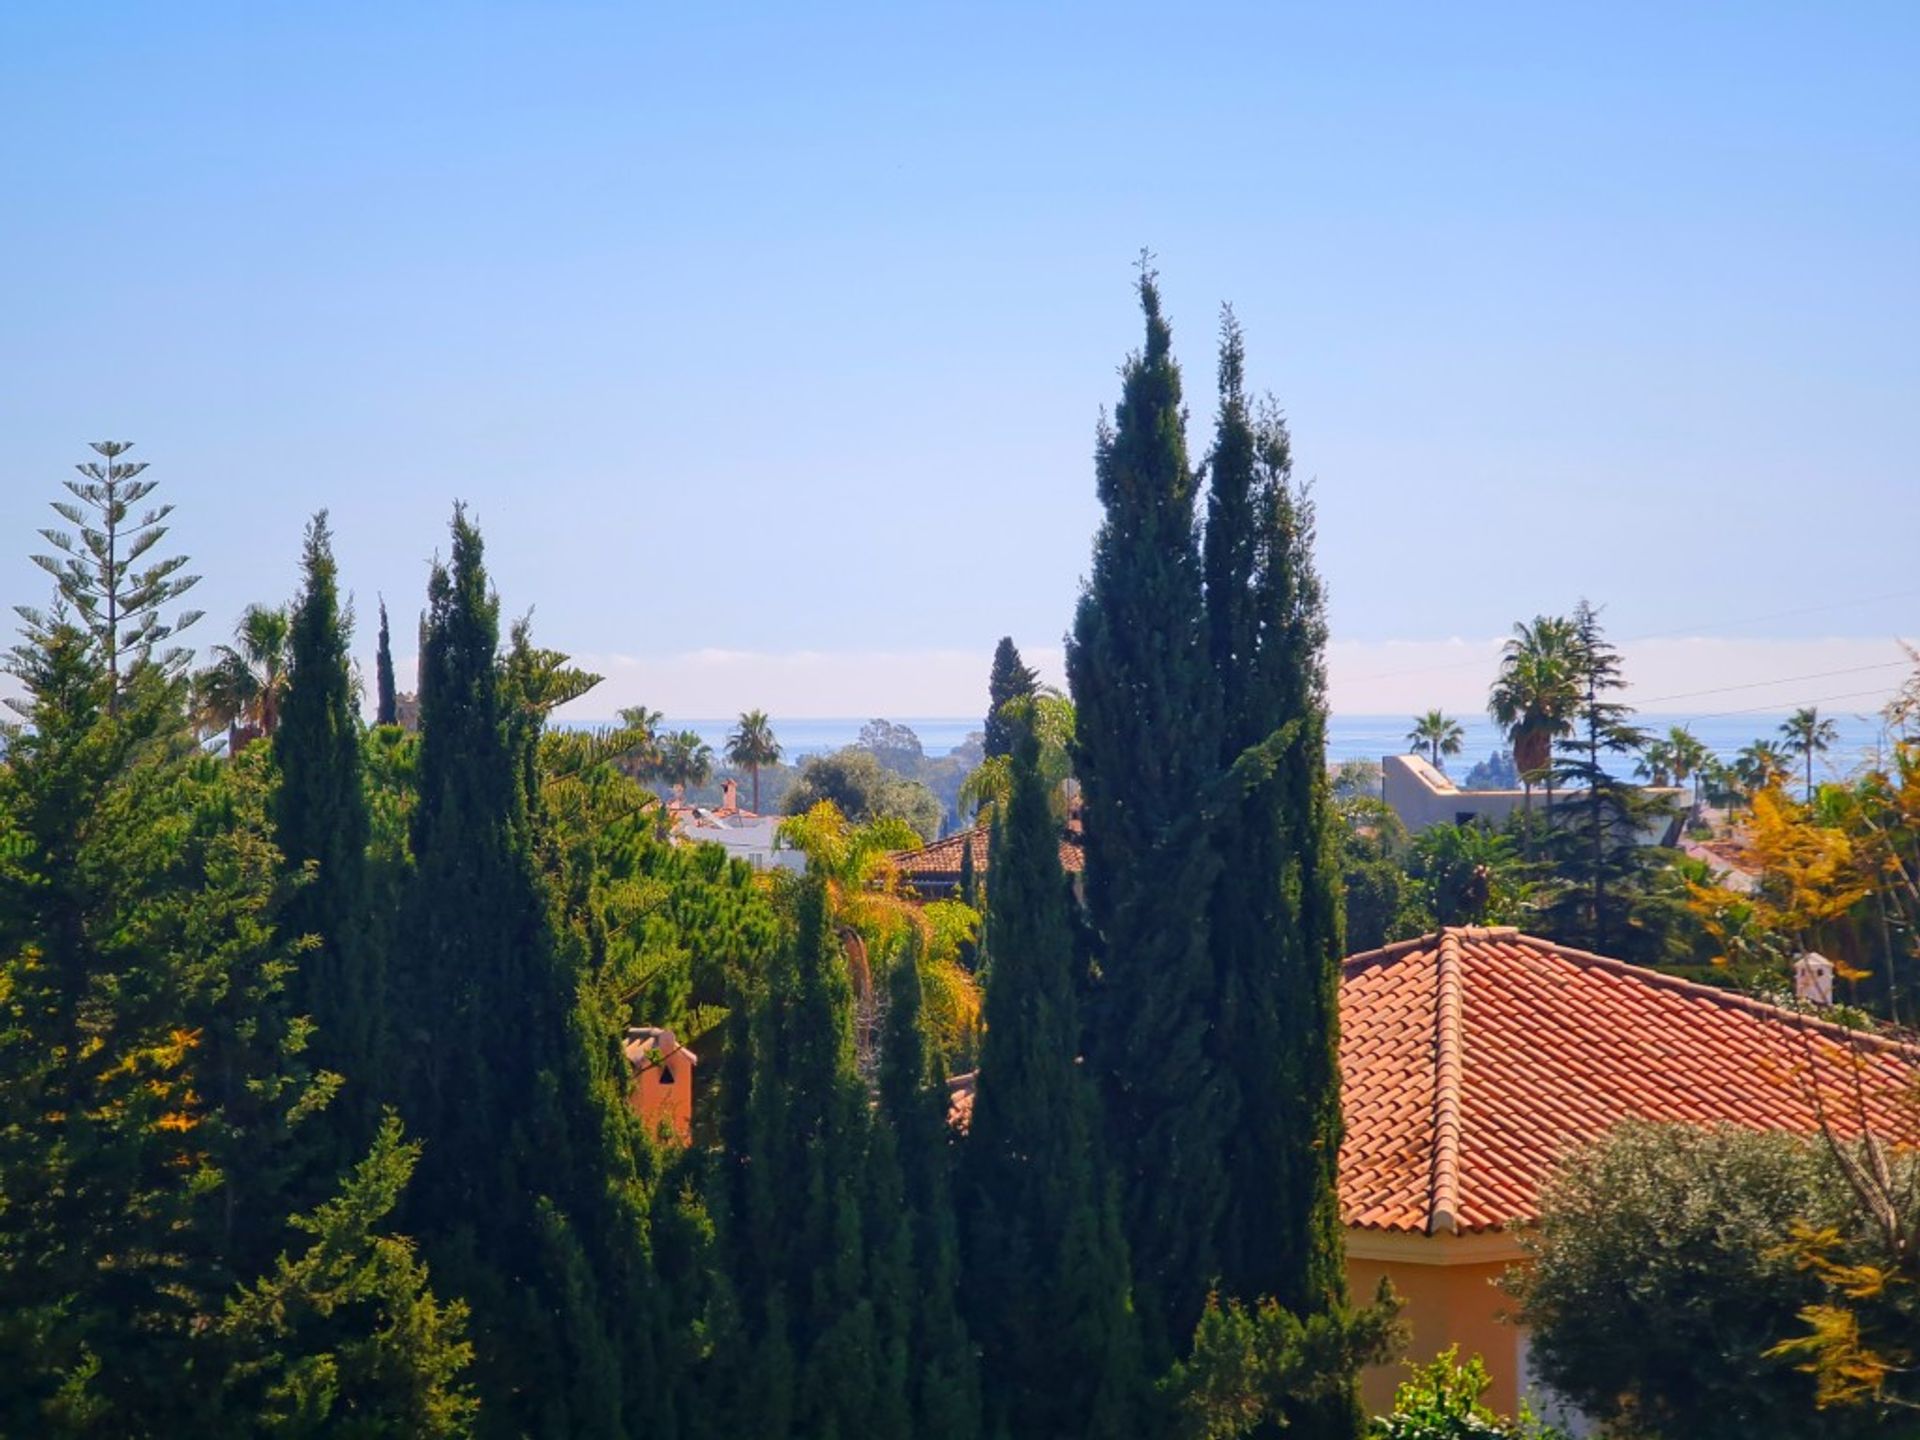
point(1761, 766)
point(1656, 763)
point(1438, 735)
point(1533, 700)
point(685, 759)
point(241, 691)
point(752, 745)
point(1690, 759)
point(1807, 734)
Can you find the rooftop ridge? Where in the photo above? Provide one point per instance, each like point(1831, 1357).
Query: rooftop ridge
point(1732, 999)
point(1449, 1002)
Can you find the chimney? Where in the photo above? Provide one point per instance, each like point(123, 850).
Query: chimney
point(729, 794)
point(1813, 979)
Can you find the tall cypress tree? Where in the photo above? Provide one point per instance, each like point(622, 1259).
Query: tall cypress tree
point(808, 1267)
point(520, 1197)
point(321, 818)
point(1275, 922)
point(1147, 755)
point(944, 1381)
point(1011, 679)
point(1046, 1278)
point(386, 704)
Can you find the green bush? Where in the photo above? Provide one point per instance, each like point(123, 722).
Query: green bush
point(1442, 1402)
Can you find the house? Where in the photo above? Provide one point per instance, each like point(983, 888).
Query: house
point(934, 870)
point(1472, 1060)
point(660, 1080)
point(743, 834)
point(1423, 796)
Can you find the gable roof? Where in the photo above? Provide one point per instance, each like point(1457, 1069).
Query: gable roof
point(1473, 1059)
point(939, 863)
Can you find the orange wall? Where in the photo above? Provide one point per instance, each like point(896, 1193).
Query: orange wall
point(1445, 1305)
point(660, 1104)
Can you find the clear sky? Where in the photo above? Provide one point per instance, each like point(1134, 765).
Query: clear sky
point(767, 342)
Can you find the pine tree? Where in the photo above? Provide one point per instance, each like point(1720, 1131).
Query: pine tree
point(1275, 923)
point(386, 705)
point(1595, 842)
point(152, 1085)
point(322, 824)
point(1146, 754)
point(527, 1199)
point(944, 1384)
point(1046, 1275)
point(1009, 680)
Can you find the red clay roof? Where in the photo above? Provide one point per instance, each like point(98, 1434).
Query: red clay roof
point(940, 861)
point(1473, 1059)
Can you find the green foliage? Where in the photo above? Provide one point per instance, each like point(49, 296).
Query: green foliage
point(1438, 734)
point(1046, 1274)
point(323, 829)
point(103, 588)
point(347, 1340)
point(1441, 1401)
point(821, 1321)
point(752, 746)
point(1146, 752)
point(1661, 1280)
point(1010, 679)
point(1467, 875)
point(943, 1377)
point(386, 705)
point(1254, 1366)
point(863, 790)
point(153, 1091)
point(531, 1193)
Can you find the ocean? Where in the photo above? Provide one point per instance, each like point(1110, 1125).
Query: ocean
point(1349, 737)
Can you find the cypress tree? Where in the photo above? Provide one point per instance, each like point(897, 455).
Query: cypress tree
point(1146, 754)
point(1009, 680)
point(525, 1193)
point(321, 819)
point(944, 1383)
point(1275, 922)
point(386, 704)
point(1046, 1278)
point(806, 1252)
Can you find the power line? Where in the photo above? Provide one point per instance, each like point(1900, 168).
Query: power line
point(1657, 634)
point(1776, 709)
point(1640, 704)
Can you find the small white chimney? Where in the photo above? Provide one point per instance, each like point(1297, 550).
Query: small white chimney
point(729, 794)
point(1813, 979)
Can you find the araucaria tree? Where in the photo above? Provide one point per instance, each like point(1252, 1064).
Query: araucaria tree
point(110, 596)
point(1011, 679)
point(526, 1200)
point(1046, 1274)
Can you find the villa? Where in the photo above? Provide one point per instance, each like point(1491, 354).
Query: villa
point(1423, 796)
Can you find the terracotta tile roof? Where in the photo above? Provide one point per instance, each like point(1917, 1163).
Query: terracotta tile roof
point(939, 863)
point(1473, 1059)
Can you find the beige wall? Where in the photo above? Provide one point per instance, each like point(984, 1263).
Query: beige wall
point(1451, 1303)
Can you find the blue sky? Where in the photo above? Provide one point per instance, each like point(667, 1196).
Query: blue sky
point(771, 340)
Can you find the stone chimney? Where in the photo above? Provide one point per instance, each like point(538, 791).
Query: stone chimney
point(729, 794)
